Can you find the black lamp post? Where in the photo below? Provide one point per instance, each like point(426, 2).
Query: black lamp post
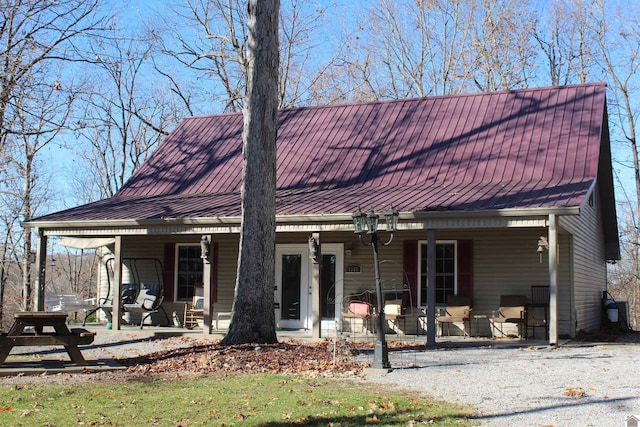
point(362, 221)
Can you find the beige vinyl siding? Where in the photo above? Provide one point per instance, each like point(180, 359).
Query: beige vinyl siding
point(227, 246)
point(505, 262)
point(590, 268)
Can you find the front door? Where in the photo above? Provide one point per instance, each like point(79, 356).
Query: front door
point(292, 291)
point(331, 287)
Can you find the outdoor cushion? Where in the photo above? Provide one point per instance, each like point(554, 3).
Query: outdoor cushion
point(359, 308)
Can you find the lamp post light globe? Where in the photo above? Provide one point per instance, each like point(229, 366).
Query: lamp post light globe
point(370, 220)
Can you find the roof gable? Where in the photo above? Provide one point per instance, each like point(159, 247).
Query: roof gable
point(534, 148)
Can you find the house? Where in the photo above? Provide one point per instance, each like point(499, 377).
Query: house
point(509, 189)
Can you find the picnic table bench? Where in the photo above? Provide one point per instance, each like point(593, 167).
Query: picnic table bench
point(20, 335)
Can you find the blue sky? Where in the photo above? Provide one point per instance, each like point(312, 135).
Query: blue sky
point(339, 14)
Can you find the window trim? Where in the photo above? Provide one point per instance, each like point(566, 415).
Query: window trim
point(421, 303)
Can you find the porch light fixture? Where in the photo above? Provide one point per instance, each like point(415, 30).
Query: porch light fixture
point(204, 248)
point(313, 249)
point(543, 245)
point(362, 221)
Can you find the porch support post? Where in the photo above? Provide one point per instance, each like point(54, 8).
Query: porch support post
point(41, 262)
point(431, 288)
point(316, 266)
point(207, 328)
point(553, 281)
point(116, 315)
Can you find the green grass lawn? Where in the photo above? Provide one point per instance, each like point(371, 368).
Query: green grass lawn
point(222, 400)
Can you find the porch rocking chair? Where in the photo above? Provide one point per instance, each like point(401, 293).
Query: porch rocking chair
point(195, 313)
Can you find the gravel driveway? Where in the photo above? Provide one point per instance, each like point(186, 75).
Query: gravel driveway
point(572, 385)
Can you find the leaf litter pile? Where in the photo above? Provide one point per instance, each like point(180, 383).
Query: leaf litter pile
point(319, 359)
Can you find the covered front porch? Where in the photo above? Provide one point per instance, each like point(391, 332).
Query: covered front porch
point(316, 284)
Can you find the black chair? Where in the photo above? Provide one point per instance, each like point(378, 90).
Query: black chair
point(538, 310)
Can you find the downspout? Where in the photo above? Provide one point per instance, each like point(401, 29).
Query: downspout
point(553, 281)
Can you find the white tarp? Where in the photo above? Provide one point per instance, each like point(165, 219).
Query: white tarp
point(86, 242)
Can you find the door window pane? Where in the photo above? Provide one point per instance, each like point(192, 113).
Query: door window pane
point(291, 275)
point(328, 287)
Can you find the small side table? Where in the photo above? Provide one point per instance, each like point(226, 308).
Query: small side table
point(477, 317)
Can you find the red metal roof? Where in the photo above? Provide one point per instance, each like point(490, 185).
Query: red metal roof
point(533, 148)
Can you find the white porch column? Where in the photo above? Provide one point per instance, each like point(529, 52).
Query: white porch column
point(553, 281)
point(41, 261)
point(116, 315)
point(316, 264)
point(431, 288)
point(207, 328)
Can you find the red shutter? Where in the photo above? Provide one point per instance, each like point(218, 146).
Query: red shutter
point(410, 267)
point(169, 270)
point(465, 268)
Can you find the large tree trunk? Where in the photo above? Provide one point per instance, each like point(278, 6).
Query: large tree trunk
point(253, 319)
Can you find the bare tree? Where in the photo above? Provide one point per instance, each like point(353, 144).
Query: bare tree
point(35, 37)
point(410, 49)
point(564, 35)
point(39, 118)
point(11, 261)
point(619, 53)
point(126, 113)
point(210, 38)
point(253, 319)
point(502, 55)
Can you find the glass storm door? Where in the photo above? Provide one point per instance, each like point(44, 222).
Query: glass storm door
point(331, 286)
point(292, 290)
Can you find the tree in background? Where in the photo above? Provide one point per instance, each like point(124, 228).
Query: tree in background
point(406, 49)
point(125, 112)
point(37, 39)
point(253, 319)
point(210, 38)
point(566, 42)
point(618, 47)
point(137, 80)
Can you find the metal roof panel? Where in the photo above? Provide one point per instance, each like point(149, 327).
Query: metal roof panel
point(516, 149)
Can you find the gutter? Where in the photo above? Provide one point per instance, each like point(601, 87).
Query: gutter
point(301, 219)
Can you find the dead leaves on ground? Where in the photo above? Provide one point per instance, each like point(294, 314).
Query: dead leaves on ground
point(280, 358)
point(574, 392)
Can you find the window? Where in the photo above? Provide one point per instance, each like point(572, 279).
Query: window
point(445, 271)
point(188, 271)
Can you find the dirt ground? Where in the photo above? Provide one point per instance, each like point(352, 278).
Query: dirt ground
point(181, 356)
point(188, 356)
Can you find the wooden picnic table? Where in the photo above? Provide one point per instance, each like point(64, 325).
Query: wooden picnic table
point(19, 335)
